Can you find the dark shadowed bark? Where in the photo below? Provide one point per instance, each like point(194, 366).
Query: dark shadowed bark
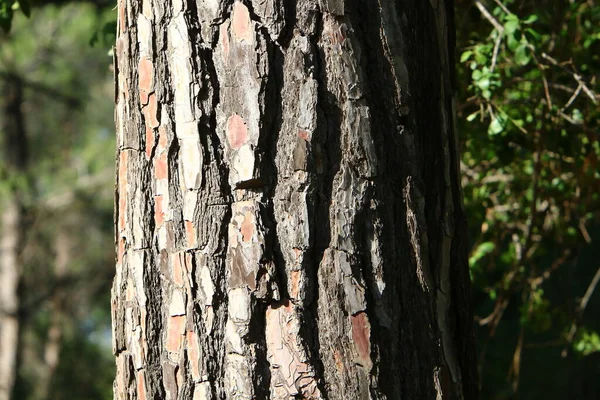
point(288, 213)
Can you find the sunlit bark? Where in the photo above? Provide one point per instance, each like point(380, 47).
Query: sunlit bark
point(288, 212)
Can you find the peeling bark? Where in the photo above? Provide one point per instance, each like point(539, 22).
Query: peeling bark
point(288, 212)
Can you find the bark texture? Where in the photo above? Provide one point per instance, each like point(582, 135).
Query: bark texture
point(288, 210)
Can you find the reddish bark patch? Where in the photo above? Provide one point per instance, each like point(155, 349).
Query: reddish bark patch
point(194, 354)
point(241, 25)
point(237, 132)
point(150, 111)
point(247, 227)
point(295, 278)
point(178, 269)
point(161, 166)
point(149, 141)
point(123, 156)
point(175, 331)
point(145, 79)
point(361, 335)
point(141, 385)
point(190, 233)
point(159, 215)
point(304, 135)
point(162, 138)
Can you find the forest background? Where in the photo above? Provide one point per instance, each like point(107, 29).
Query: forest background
point(528, 119)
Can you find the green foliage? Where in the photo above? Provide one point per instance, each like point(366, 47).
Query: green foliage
point(529, 119)
point(7, 10)
point(587, 342)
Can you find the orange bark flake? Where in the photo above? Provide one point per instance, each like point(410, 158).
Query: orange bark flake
point(361, 335)
point(151, 111)
point(194, 354)
point(247, 227)
point(175, 331)
point(159, 215)
point(190, 234)
point(162, 139)
point(145, 79)
point(149, 142)
point(237, 133)
point(242, 25)
point(304, 135)
point(141, 385)
point(161, 166)
point(295, 278)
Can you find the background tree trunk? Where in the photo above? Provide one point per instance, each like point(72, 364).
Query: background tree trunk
point(288, 211)
point(12, 226)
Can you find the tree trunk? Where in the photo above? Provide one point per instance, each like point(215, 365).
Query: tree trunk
point(13, 167)
point(63, 244)
point(288, 211)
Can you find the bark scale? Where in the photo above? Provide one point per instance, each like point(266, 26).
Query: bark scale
point(288, 211)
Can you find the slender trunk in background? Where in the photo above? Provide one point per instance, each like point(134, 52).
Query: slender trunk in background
point(51, 354)
point(13, 165)
point(289, 220)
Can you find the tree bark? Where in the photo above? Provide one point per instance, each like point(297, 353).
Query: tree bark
point(289, 221)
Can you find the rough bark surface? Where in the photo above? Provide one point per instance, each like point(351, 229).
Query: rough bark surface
point(288, 211)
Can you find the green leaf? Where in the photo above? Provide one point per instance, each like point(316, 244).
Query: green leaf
point(481, 251)
point(465, 56)
point(522, 56)
point(496, 126)
point(531, 19)
point(510, 27)
point(483, 83)
point(512, 42)
point(471, 117)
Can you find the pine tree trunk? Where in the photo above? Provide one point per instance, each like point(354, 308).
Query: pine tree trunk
point(288, 211)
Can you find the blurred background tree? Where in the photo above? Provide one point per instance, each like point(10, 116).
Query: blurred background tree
point(528, 117)
point(56, 193)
